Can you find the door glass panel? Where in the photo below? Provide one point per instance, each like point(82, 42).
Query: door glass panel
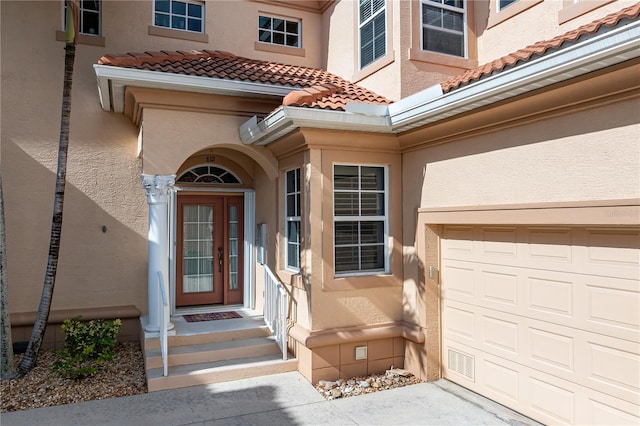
point(233, 247)
point(197, 242)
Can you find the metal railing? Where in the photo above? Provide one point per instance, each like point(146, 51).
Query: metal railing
point(276, 301)
point(163, 325)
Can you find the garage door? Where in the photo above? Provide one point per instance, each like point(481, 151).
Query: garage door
point(545, 320)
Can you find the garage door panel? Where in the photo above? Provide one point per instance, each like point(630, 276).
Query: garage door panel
point(545, 397)
point(573, 250)
point(589, 359)
point(613, 303)
point(602, 304)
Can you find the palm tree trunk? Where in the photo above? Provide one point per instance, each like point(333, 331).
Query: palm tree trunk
point(8, 369)
point(40, 325)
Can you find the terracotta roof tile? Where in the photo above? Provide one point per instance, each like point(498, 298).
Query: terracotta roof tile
point(539, 48)
point(321, 89)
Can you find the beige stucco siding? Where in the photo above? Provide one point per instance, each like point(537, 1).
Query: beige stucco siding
point(587, 155)
point(493, 44)
point(96, 268)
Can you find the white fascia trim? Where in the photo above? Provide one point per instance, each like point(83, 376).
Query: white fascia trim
point(600, 51)
point(111, 81)
point(285, 119)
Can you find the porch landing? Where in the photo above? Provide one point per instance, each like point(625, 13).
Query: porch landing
point(214, 351)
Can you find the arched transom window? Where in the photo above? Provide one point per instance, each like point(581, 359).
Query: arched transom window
point(208, 174)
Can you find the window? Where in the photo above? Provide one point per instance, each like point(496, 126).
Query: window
point(89, 17)
point(208, 174)
point(279, 31)
point(443, 23)
point(372, 30)
point(292, 219)
point(504, 3)
point(360, 219)
point(179, 15)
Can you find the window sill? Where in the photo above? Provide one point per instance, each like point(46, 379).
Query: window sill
point(294, 279)
point(361, 282)
point(573, 10)
point(441, 59)
point(510, 11)
point(182, 35)
point(275, 48)
point(373, 67)
point(91, 40)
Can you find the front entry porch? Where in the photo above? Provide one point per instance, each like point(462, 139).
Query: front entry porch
point(214, 351)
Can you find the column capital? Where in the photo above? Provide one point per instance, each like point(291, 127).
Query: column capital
point(158, 187)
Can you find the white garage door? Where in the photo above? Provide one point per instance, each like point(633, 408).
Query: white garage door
point(545, 320)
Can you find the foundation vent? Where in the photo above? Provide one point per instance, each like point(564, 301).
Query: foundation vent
point(462, 364)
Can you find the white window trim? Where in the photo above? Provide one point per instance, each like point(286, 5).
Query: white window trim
point(385, 218)
point(500, 9)
point(383, 9)
point(288, 219)
point(186, 30)
point(99, 33)
point(465, 31)
point(299, 34)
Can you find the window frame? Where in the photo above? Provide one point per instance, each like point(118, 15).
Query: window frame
point(297, 21)
point(171, 14)
point(82, 11)
point(83, 38)
point(465, 26)
point(297, 193)
point(370, 20)
point(360, 218)
point(500, 7)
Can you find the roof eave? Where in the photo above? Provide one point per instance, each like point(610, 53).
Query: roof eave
point(112, 82)
point(286, 119)
point(602, 50)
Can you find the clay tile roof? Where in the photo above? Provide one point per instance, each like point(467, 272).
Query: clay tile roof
point(320, 89)
point(539, 49)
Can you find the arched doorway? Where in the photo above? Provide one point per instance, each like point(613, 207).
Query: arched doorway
point(213, 223)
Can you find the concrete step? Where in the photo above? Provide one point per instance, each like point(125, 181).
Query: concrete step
point(210, 337)
point(215, 351)
point(218, 371)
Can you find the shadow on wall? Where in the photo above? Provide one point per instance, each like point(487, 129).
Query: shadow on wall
point(103, 261)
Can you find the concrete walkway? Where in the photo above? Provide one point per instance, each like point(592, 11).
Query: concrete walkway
point(282, 399)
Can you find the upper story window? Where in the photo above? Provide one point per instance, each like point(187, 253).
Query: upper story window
point(372, 31)
point(360, 219)
point(283, 32)
point(89, 17)
point(443, 27)
point(504, 3)
point(292, 219)
point(179, 15)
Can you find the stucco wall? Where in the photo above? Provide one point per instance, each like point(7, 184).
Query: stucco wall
point(96, 268)
point(493, 44)
point(588, 155)
point(231, 26)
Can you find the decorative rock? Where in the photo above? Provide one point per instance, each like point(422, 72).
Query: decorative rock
point(376, 385)
point(399, 372)
point(343, 388)
point(336, 393)
point(364, 384)
point(351, 382)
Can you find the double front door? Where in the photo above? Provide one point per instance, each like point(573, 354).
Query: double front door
point(209, 251)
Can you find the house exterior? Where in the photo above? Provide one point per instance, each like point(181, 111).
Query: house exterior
point(448, 186)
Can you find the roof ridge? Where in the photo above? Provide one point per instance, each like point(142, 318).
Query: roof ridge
point(539, 48)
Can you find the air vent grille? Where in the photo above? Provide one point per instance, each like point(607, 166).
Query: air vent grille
point(462, 364)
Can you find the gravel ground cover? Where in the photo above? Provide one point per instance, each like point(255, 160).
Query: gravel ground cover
point(344, 388)
point(122, 376)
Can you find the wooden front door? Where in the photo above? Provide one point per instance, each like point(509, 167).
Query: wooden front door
point(210, 248)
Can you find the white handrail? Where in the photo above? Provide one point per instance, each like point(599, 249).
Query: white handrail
point(163, 325)
point(276, 301)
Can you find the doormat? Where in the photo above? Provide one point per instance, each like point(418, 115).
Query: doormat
point(212, 316)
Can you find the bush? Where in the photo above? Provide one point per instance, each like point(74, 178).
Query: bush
point(87, 346)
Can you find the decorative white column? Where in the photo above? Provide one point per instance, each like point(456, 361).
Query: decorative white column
point(158, 189)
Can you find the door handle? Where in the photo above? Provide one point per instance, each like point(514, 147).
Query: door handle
point(219, 259)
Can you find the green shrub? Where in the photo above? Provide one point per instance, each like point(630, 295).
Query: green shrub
point(87, 346)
